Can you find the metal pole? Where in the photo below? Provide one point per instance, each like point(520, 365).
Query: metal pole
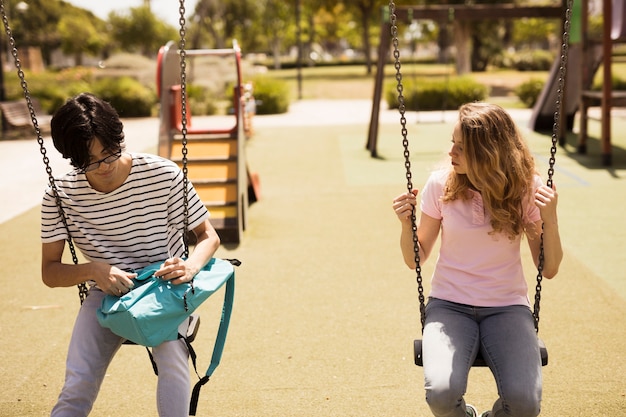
point(299, 59)
point(3, 95)
point(607, 46)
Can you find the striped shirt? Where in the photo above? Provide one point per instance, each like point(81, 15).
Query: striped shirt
point(131, 227)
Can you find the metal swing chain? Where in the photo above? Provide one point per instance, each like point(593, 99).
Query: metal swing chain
point(183, 94)
point(407, 155)
point(82, 287)
point(556, 130)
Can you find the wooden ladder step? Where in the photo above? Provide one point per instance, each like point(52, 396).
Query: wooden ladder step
point(204, 160)
point(214, 169)
point(222, 211)
point(217, 134)
point(216, 191)
point(209, 148)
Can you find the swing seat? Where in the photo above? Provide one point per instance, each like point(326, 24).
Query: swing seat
point(479, 361)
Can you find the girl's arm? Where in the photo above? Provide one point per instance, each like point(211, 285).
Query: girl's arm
point(546, 199)
point(427, 229)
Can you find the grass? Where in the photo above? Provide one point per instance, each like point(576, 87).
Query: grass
point(353, 82)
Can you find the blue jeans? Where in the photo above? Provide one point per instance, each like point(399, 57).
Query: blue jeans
point(91, 350)
point(506, 337)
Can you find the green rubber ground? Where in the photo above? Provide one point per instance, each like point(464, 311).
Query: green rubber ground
point(325, 311)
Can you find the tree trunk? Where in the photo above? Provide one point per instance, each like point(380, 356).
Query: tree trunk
point(365, 20)
point(443, 42)
point(463, 43)
point(276, 54)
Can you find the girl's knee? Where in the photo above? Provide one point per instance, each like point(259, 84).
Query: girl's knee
point(524, 405)
point(527, 410)
point(442, 401)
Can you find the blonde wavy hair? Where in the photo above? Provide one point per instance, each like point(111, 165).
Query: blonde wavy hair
point(499, 166)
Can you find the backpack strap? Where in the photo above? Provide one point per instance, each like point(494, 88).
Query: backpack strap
point(193, 323)
point(218, 348)
point(155, 368)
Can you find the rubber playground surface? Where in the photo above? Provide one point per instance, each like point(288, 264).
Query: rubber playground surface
point(325, 311)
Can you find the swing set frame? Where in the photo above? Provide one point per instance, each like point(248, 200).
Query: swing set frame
point(441, 13)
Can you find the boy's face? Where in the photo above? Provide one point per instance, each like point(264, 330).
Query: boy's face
point(104, 167)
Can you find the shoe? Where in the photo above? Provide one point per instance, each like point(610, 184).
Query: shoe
point(485, 414)
point(471, 411)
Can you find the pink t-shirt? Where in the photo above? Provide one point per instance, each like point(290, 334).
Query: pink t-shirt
point(474, 267)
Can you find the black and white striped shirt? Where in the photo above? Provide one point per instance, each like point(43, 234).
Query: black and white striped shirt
point(130, 227)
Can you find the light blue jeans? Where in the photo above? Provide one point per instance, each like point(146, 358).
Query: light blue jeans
point(91, 350)
point(506, 337)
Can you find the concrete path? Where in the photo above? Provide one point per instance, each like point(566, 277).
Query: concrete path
point(23, 175)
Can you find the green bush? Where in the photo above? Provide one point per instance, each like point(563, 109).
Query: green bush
point(51, 88)
point(439, 94)
point(50, 96)
point(617, 84)
point(528, 92)
point(528, 60)
point(128, 96)
point(271, 95)
point(200, 100)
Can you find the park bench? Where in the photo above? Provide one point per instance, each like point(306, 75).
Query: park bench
point(16, 117)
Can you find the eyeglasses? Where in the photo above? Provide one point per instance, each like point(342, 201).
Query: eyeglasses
point(108, 160)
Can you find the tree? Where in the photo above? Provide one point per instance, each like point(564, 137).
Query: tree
point(366, 11)
point(36, 25)
point(80, 34)
point(337, 29)
point(275, 19)
point(217, 22)
point(209, 18)
point(140, 31)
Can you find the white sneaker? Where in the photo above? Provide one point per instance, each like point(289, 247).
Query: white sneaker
point(471, 411)
point(485, 414)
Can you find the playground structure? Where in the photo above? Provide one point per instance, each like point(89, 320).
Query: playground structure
point(613, 31)
point(585, 58)
point(216, 164)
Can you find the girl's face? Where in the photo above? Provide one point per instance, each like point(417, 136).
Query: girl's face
point(457, 153)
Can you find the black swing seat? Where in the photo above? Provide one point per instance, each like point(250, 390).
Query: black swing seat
point(479, 361)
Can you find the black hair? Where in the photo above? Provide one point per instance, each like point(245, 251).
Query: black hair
point(79, 121)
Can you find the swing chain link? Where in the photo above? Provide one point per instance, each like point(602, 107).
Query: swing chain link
point(556, 131)
point(82, 287)
point(183, 91)
point(407, 154)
